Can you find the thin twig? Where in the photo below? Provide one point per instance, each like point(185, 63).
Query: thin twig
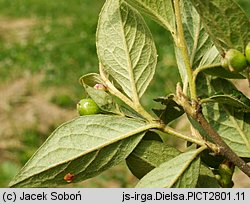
point(173, 132)
point(202, 68)
point(224, 149)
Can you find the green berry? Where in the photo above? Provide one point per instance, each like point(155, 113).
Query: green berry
point(225, 170)
point(224, 63)
point(87, 107)
point(217, 177)
point(236, 60)
point(247, 52)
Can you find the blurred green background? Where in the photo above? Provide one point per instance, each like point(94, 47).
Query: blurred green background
point(45, 47)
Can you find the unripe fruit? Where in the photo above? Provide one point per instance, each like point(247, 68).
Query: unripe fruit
point(236, 60)
point(87, 107)
point(247, 52)
point(217, 176)
point(226, 170)
point(224, 63)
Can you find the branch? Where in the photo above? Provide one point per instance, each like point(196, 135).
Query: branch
point(224, 149)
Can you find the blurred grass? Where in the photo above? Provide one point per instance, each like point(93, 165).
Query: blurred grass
point(62, 42)
point(57, 38)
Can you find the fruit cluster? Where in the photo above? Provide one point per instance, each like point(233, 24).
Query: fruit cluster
point(235, 61)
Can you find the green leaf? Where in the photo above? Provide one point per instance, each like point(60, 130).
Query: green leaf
point(102, 98)
point(126, 48)
point(223, 73)
point(106, 102)
point(181, 171)
point(222, 85)
point(225, 22)
point(201, 48)
point(148, 155)
point(203, 86)
point(210, 57)
point(190, 177)
point(160, 11)
point(231, 125)
point(129, 112)
point(198, 41)
point(227, 93)
point(90, 79)
point(232, 100)
point(206, 179)
point(85, 147)
point(171, 111)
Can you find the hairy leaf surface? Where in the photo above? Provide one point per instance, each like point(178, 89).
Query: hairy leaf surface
point(206, 178)
point(148, 155)
point(226, 93)
point(225, 22)
point(198, 41)
point(84, 147)
point(232, 126)
point(126, 48)
point(212, 57)
point(159, 10)
point(181, 171)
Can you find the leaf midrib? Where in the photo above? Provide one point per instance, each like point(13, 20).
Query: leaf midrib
point(135, 96)
point(186, 166)
point(159, 17)
point(138, 130)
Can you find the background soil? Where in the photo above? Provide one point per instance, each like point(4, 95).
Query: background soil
point(45, 46)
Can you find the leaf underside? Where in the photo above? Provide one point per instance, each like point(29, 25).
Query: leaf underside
point(200, 47)
point(126, 48)
point(148, 155)
point(181, 171)
point(227, 111)
point(160, 11)
point(232, 126)
point(225, 22)
point(85, 147)
point(206, 179)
